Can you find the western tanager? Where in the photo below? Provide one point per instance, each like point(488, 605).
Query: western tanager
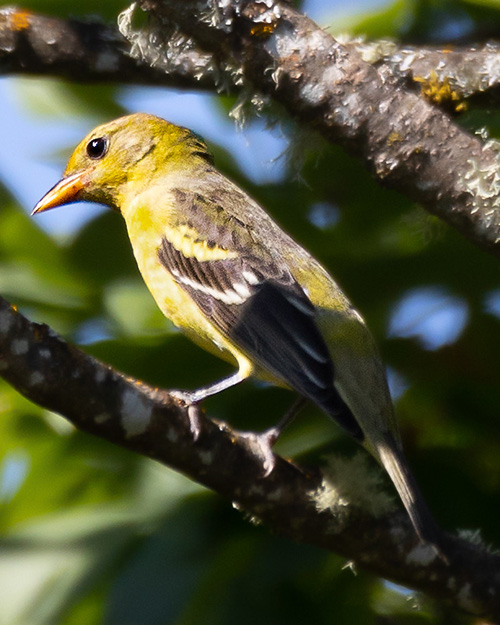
point(225, 273)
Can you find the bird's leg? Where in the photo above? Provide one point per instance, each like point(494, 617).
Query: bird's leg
point(261, 444)
point(195, 397)
point(272, 434)
point(192, 399)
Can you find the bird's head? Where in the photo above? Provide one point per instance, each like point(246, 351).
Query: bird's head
point(123, 155)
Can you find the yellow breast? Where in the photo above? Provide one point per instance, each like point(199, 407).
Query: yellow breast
point(148, 223)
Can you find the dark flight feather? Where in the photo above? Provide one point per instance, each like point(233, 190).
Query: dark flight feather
point(261, 308)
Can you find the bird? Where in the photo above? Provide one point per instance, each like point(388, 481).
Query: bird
point(223, 271)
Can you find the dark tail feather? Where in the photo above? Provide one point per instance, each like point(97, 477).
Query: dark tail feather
point(395, 464)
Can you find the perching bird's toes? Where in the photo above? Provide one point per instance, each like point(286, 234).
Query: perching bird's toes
point(262, 446)
point(187, 398)
point(193, 411)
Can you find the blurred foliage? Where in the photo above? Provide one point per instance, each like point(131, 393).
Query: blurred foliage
point(425, 21)
point(107, 11)
point(90, 533)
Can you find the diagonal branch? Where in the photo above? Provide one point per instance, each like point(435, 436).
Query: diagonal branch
point(99, 400)
point(406, 142)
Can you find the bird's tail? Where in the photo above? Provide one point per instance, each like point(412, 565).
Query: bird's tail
point(394, 462)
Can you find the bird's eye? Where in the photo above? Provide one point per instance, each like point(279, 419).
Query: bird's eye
point(97, 148)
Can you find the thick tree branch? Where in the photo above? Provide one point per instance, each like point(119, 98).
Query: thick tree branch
point(406, 142)
point(89, 51)
point(99, 400)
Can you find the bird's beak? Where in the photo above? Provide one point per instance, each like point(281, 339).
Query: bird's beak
point(64, 192)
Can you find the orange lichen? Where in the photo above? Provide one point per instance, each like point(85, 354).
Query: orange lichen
point(263, 29)
point(20, 20)
point(441, 92)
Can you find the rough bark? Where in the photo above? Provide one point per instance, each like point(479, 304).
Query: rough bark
point(409, 144)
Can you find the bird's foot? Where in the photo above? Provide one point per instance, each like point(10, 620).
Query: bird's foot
point(262, 446)
point(188, 398)
point(193, 410)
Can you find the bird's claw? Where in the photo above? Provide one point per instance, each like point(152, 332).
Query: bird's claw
point(185, 397)
point(262, 446)
point(193, 411)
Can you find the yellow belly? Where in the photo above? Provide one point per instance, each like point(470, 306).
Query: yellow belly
point(146, 238)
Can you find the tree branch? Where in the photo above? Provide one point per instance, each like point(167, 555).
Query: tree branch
point(89, 51)
point(471, 72)
point(406, 142)
point(99, 400)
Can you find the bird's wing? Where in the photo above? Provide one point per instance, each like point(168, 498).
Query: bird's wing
point(256, 303)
